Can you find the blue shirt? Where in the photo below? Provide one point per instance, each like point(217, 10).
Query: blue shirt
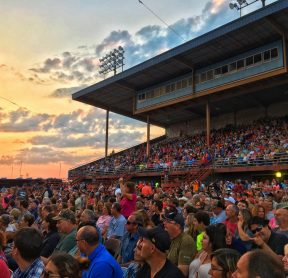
point(128, 245)
point(33, 271)
point(221, 217)
point(102, 265)
point(117, 227)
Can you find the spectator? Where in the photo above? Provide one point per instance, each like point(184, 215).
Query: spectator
point(66, 224)
point(281, 216)
point(232, 219)
point(128, 198)
point(26, 221)
point(129, 239)
point(147, 190)
point(213, 239)
point(26, 252)
point(259, 264)
point(104, 219)
point(117, 224)
point(219, 213)
point(51, 237)
point(5, 272)
point(102, 264)
point(182, 249)
point(156, 208)
point(269, 241)
point(223, 263)
point(201, 221)
point(62, 265)
point(153, 244)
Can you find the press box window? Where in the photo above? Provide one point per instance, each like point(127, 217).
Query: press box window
point(172, 87)
point(225, 69)
point(267, 56)
point(210, 74)
point(258, 58)
point(233, 66)
point(217, 73)
point(274, 53)
point(249, 61)
point(197, 79)
point(240, 65)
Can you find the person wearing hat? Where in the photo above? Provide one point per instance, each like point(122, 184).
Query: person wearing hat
point(229, 201)
point(219, 214)
point(183, 249)
point(153, 244)
point(66, 224)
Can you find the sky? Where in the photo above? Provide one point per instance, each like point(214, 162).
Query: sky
point(51, 49)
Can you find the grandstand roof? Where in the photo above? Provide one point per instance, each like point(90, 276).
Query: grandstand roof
point(260, 27)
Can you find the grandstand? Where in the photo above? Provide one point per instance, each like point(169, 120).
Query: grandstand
point(221, 97)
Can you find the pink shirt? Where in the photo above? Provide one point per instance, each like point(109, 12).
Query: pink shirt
point(103, 222)
point(128, 206)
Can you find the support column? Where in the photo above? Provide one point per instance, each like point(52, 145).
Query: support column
point(208, 123)
point(148, 137)
point(106, 137)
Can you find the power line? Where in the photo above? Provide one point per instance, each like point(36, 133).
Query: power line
point(169, 27)
point(11, 101)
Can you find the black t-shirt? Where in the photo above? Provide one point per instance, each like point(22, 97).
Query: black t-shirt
point(277, 242)
point(169, 270)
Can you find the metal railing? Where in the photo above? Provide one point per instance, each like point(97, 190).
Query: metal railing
point(277, 159)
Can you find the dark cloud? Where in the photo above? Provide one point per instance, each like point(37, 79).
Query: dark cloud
point(48, 65)
point(46, 155)
point(66, 92)
point(113, 40)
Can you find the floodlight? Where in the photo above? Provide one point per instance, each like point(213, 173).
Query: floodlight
point(112, 61)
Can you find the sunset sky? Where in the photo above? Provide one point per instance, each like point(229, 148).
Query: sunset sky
point(51, 49)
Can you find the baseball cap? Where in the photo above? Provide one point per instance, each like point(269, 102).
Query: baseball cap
point(66, 214)
point(158, 236)
point(172, 214)
point(230, 199)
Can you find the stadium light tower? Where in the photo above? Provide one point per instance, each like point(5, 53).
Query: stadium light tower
point(241, 4)
point(112, 61)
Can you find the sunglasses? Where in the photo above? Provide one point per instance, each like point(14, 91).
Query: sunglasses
point(257, 230)
point(131, 223)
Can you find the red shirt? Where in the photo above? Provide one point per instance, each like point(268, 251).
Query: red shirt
point(128, 206)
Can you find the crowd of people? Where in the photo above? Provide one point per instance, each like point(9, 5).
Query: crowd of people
point(261, 142)
point(222, 229)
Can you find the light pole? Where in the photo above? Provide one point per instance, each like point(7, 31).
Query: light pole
point(112, 61)
point(241, 4)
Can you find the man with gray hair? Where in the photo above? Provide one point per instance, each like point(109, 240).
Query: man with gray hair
point(88, 216)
